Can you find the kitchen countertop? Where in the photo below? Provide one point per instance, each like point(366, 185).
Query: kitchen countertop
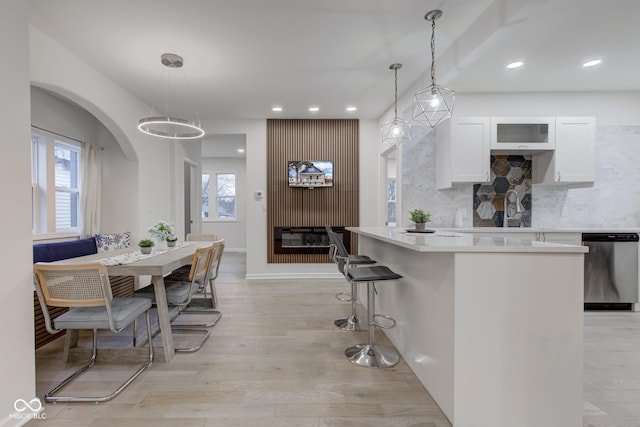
point(540, 230)
point(456, 240)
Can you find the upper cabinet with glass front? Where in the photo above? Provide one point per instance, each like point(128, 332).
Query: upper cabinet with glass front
point(523, 133)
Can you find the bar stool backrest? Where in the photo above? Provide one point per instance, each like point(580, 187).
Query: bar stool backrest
point(342, 255)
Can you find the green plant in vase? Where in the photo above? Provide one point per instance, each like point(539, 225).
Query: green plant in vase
point(420, 218)
point(145, 245)
point(171, 240)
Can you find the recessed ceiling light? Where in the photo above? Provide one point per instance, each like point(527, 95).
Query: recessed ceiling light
point(276, 109)
point(516, 64)
point(240, 150)
point(592, 63)
point(351, 109)
point(314, 109)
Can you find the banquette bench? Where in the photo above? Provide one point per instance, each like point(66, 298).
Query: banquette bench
point(56, 251)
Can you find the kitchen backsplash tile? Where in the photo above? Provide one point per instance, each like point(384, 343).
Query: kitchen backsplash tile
point(507, 173)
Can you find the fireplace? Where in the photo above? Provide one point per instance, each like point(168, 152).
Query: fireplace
point(305, 240)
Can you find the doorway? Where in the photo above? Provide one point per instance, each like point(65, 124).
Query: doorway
point(190, 198)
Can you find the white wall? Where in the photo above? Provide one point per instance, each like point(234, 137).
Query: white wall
point(17, 370)
point(56, 114)
point(234, 233)
point(371, 163)
point(119, 193)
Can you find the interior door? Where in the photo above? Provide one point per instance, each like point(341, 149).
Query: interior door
point(190, 198)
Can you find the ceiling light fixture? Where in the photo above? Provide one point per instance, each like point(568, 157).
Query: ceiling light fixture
point(395, 131)
point(351, 109)
point(434, 104)
point(240, 150)
point(276, 109)
point(592, 63)
point(516, 64)
point(314, 109)
point(167, 126)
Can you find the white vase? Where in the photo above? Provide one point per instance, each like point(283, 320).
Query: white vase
point(161, 245)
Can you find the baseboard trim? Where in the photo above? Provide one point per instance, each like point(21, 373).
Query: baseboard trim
point(285, 276)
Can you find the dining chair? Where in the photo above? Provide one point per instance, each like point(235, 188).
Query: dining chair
point(86, 290)
point(180, 293)
point(205, 304)
point(201, 237)
point(183, 272)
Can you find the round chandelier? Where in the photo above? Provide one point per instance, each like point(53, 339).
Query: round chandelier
point(167, 126)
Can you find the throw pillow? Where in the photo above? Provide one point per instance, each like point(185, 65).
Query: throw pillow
point(110, 242)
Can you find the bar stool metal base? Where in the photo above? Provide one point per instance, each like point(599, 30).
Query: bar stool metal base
point(351, 324)
point(372, 356)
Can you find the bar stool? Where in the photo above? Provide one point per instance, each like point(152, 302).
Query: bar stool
point(338, 252)
point(371, 355)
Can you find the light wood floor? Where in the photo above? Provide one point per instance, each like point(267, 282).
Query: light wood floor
point(275, 359)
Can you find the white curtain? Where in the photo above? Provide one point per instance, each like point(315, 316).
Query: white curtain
point(90, 190)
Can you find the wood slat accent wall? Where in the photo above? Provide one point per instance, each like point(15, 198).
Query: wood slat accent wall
point(121, 286)
point(302, 139)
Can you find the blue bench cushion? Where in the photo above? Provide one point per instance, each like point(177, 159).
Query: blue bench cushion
point(49, 252)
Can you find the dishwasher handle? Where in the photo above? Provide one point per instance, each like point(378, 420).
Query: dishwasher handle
point(610, 237)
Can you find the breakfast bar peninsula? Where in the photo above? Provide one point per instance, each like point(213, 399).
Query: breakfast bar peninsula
point(492, 327)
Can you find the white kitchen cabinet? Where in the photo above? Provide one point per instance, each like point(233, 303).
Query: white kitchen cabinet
point(574, 158)
point(463, 151)
point(523, 133)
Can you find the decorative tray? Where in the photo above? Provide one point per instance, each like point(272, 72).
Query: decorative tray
point(413, 230)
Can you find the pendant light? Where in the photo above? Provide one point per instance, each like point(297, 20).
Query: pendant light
point(395, 131)
point(433, 104)
point(167, 126)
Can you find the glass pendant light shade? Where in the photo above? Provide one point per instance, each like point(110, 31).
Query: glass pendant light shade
point(395, 131)
point(167, 126)
point(433, 104)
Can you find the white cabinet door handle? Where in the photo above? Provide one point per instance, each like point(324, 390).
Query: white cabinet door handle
point(488, 176)
point(559, 177)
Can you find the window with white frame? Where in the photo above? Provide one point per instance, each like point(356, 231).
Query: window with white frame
point(226, 196)
point(391, 201)
point(205, 195)
point(222, 204)
point(55, 183)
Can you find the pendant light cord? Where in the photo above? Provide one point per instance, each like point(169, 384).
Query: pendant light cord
point(433, 49)
point(395, 102)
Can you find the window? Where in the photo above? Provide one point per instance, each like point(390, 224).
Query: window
point(391, 200)
point(55, 183)
point(226, 195)
point(67, 170)
point(205, 195)
point(222, 204)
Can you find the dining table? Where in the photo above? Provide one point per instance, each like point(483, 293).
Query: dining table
point(131, 262)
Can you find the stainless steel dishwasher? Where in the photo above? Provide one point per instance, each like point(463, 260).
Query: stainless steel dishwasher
point(610, 270)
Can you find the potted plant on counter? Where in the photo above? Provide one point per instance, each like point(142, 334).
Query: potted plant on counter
point(145, 246)
point(171, 241)
point(420, 218)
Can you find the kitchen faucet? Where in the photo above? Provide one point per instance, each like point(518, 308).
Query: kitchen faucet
point(505, 216)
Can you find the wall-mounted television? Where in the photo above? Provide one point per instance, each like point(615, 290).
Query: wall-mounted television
point(310, 173)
